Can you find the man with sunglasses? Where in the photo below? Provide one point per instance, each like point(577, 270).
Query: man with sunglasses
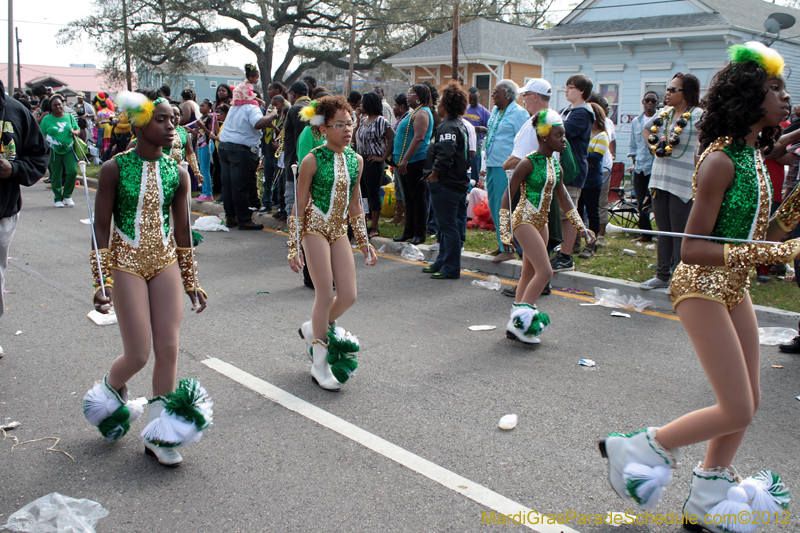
point(642, 159)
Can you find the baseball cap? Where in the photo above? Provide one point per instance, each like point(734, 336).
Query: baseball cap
point(80, 94)
point(539, 86)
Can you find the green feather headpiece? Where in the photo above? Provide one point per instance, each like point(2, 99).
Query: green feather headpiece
point(765, 57)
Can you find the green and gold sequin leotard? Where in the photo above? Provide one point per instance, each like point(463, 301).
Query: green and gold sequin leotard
point(177, 151)
point(536, 192)
point(326, 213)
point(142, 243)
point(744, 214)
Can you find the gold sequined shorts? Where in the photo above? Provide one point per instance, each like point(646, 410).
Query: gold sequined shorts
point(727, 286)
point(331, 230)
point(526, 214)
point(146, 262)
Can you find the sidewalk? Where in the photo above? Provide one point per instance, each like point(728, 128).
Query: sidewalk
point(767, 316)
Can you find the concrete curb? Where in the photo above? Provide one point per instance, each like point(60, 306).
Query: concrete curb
point(767, 316)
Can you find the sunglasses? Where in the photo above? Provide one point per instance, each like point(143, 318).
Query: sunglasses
point(674, 90)
point(650, 101)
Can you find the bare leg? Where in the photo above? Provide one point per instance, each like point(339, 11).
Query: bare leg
point(344, 274)
point(318, 258)
point(535, 258)
point(131, 302)
point(730, 363)
point(166, 309)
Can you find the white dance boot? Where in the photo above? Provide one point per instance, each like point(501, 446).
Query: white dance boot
point(320, 369)
point(166, 456)
point(721, 502)
point(525, 322)
point(111, 411)
point(306, 332)
point(639, 468)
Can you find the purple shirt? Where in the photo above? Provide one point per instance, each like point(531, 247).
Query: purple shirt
point(478, 116)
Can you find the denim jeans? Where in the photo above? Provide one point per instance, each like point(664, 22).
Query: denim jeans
point(451, 214)
point(270, 165)
point(475, 168)
point(239, 166)
point(204, 160)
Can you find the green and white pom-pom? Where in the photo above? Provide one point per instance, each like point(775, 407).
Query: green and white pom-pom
point(766, 492)
point(529, 320)
point(646, 484)
point(188, 411)
point(342, 347)
point(730, 508)
point(104, 408)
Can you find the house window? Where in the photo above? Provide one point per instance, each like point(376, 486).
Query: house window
point(213, 85)
point(483, 83)
point(658, 87)
point(611, 93)
point(191, 83)
point(232, 83)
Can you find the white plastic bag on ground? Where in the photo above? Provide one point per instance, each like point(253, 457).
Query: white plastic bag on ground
point(612, 298)
point(775, 336)
point(411, 253)
point(210, 223)
point(492, 283)
point(55, 513)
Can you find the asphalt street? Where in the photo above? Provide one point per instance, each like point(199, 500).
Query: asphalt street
point(425, 383)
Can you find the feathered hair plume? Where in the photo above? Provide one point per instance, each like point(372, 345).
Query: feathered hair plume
point(309, 114)
point(249, 67)
point(545, 120)
point(137, 106)
point(765, 57)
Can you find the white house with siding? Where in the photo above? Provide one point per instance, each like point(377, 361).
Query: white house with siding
point(628, 47)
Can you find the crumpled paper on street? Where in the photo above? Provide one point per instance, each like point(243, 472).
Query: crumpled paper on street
point(612, 298)
point(209, 223)
point(55, 513)
point(103, 320)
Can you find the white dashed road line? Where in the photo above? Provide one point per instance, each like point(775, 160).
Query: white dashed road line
point(482, 495)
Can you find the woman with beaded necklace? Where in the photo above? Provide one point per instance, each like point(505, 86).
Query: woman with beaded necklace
point(745, 105)
point(672, 135)
point(147, 265)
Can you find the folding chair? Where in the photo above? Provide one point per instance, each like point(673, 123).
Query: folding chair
point(623, 209)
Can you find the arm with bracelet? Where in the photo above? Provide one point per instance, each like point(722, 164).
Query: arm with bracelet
point(183, 242)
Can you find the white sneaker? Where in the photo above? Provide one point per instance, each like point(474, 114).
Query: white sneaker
point(654, 283)
point(68, 202)
point(59, 204)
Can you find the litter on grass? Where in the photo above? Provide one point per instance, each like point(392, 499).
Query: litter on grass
point(775, 336)
point(650, 247)
point(55, 513)
point(482, 328)
point(628, 252)
point(612, 298)
point(209, 223)
point(508, 422)
point(492, 283)
point(587, 362)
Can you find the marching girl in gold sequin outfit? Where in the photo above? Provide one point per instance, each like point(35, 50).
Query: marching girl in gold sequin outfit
point(328, 187)
point(144, 266)
point(537, 178)
point(732, 197)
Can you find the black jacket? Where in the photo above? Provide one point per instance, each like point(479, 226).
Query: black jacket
point(447, 155)
point(293, 128)
point(23, 145)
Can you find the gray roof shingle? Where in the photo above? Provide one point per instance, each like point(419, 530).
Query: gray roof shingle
point(633, 24)
point(479, 37)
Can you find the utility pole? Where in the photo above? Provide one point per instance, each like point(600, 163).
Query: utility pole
point(10, 87)
point(19, 74)
point(352, 50)
point(126, 44)
point(455, 39)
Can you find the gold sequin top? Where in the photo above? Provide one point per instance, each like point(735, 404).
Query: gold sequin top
point(744, 213)
point(536, 192)
point(142, 242)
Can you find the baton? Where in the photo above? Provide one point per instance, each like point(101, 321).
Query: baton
point(692, 236)
point(82, 165)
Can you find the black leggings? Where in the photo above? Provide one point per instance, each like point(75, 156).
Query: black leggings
point(371, 183)
point(590, 200)
point(416, 192)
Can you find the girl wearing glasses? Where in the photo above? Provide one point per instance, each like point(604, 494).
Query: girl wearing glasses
point(745, 105)
point(328, 187)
